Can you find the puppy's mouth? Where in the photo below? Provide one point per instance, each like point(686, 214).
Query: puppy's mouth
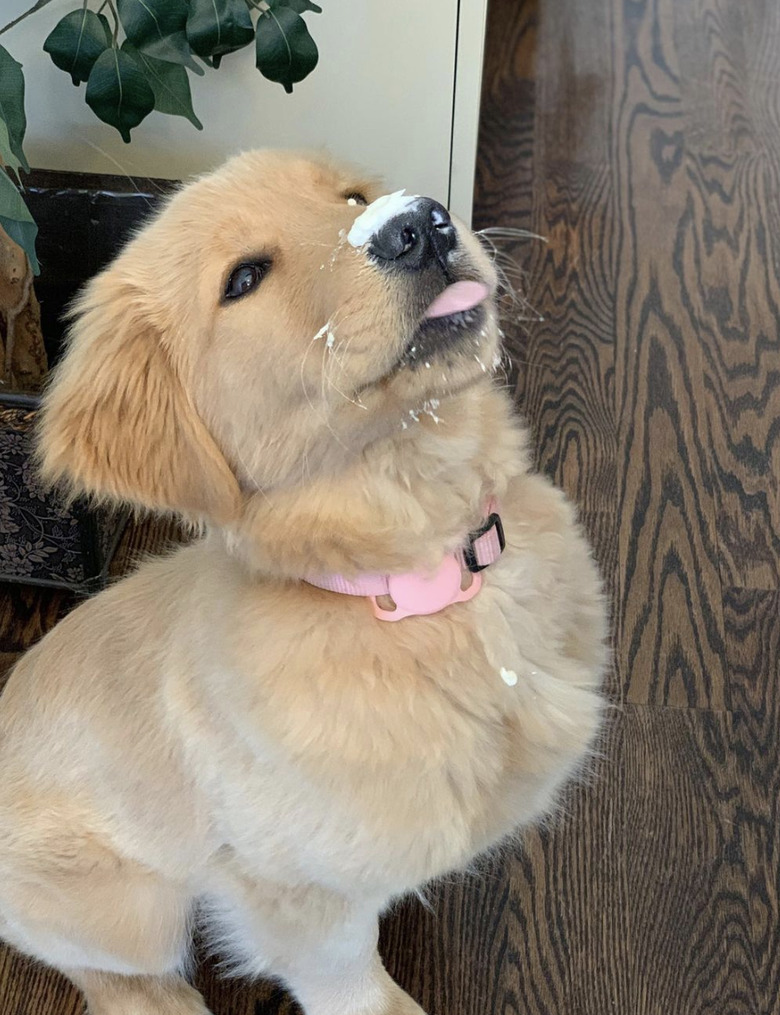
point(456, 312)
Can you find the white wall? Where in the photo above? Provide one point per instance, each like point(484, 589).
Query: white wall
point(381, 96)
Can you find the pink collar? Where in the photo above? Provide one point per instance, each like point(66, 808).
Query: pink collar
point(416, 594)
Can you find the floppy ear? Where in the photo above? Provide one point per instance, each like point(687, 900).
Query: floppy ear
point(117, 422)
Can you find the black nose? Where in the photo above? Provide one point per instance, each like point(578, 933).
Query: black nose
point(420, 235)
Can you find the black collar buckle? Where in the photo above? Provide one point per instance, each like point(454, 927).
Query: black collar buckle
point(469, 550)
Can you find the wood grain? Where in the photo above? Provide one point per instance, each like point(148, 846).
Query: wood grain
point(504, 172)
point(671, 629)
point(26, 614)
point(687, 872)
point(7, 661)
point(753, 647)
point(729, 249)
point(561, 343)
point(28, 988)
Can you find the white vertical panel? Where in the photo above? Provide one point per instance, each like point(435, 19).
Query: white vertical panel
point(472, 19)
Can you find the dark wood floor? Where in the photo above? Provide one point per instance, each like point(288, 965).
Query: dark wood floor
point(641, 139)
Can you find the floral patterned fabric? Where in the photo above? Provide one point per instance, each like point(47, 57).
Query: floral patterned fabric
point(41, 541)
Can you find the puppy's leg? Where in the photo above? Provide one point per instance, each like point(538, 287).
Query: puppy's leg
point(361, 989)
point(120, 931)
point(124, 920)
point(112, 994)
point(322, 945)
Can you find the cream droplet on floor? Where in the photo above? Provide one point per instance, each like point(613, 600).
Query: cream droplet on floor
point(508, 676)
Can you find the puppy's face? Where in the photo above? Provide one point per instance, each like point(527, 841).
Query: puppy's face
point(291, 317)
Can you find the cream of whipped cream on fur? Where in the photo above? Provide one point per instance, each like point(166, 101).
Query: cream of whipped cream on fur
point(378, 214)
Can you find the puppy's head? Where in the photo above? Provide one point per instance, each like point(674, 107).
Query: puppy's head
point(272, 321)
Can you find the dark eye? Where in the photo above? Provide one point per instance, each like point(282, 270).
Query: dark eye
point(355, 197)
point(245, 277)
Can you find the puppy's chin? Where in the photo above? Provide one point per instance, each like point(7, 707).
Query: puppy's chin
point(440, 336)
point(448, 354)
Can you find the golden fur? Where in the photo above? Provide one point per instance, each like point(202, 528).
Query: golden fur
point(212, 739)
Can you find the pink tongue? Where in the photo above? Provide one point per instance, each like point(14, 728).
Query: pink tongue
point(456, 297)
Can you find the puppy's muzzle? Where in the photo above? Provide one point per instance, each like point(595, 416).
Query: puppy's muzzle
point(415, 239)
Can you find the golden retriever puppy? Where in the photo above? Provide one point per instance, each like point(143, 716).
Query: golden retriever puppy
point(344, 688)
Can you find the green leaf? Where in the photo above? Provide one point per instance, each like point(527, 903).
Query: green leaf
point(218, 27)
point(77, 41)
point(6, 152)
point(118, 91)
point(144, 20)
point(157, 27)
point(301, 6)
point(12, 104)
point(170, 85)
point(285, 52)
point(17, 220)
point(175, 49)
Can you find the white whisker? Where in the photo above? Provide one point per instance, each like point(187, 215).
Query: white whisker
point(253, 481)
point(327, 328)
point(122, 170)
point(512, 280)
point(510, 232)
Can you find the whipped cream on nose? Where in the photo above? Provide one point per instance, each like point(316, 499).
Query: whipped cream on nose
point(378, 214)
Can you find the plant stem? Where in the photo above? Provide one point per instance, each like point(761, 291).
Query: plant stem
point(115, 16)
point(35, 7)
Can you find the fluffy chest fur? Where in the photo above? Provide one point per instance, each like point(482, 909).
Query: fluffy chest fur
point(390, 753)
